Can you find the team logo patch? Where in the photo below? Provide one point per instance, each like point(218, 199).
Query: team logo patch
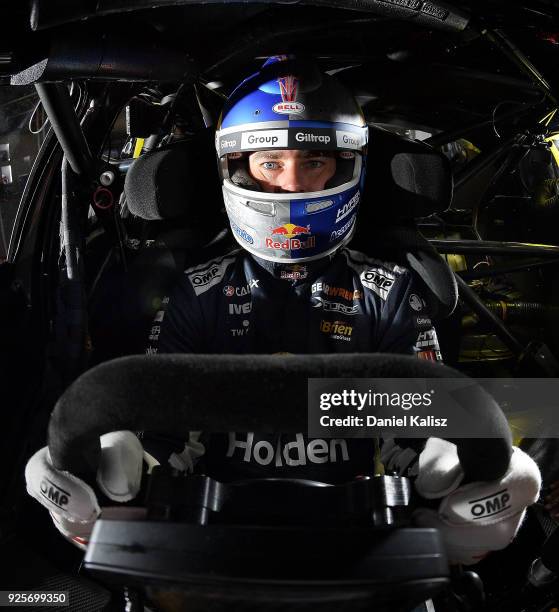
point(416, 303)
point(295, 272)
point(378, 280)
point(427, 340)
point(337, 330)
point(230, 291)
point(319, 302)
point(240, 309)
point(422, 322)
point(429, 355)
point(331, 291)
point(203, 277)
point(236, 333)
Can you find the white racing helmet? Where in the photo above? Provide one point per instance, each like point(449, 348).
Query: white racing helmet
point(290, 105)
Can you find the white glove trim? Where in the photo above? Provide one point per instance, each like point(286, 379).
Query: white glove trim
point(439, 470)
point(59, 491)
point(120, 469)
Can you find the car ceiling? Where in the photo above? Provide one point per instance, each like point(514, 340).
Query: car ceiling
point(397, 67)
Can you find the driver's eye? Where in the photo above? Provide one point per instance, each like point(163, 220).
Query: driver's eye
point(314, 164)
point(270, 165)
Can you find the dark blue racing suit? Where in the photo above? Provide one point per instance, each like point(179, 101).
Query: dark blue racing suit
point(238, 304)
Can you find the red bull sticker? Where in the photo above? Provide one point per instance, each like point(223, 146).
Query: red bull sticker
point(289, 231)
point(295, 272)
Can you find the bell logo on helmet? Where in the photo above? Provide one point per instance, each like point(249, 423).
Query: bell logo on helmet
point(288, 108)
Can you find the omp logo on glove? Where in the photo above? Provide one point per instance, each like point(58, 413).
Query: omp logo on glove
point(490, 505)
point(59, 497)
point(478, 517)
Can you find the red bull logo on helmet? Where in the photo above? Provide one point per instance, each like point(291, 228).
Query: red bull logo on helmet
point(291, 244)
point(289, 231)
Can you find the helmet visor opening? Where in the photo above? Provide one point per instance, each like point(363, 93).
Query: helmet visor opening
point(291, 171)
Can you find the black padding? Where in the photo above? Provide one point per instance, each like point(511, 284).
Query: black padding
point(405, 179)
point(123, 307)
point(217, 393)
point(180, 180)
point(403, 244)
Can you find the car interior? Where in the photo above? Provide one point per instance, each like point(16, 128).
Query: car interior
point(125, 194)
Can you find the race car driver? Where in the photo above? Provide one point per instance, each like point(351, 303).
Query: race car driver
point(292, 147)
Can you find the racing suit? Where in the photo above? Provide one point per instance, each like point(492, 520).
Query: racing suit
point(346, 303)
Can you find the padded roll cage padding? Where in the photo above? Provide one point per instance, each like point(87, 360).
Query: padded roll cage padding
point(268, 393)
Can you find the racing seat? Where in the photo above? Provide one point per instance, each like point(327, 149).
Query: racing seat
point(406, 180)
point(175, 193)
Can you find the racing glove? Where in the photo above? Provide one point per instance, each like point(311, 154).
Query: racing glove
point(72, 503)
point(478, 517)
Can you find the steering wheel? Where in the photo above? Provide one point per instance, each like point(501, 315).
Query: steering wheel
point(395, 567)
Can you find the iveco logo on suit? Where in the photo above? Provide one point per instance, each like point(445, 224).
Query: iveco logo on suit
point(238, 309)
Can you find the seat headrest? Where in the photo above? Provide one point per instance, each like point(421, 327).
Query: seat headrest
point(180, 180)
point(406, 179)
